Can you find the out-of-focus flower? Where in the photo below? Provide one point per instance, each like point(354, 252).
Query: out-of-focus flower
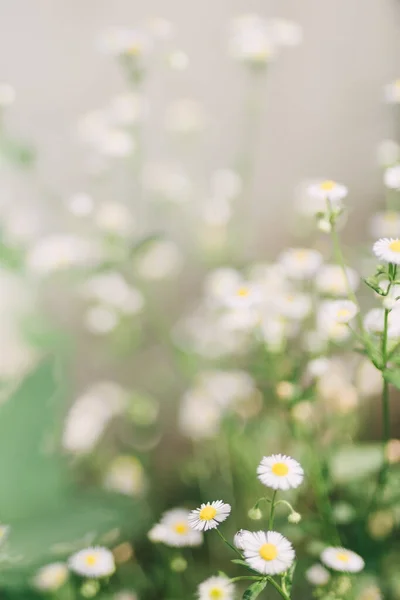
point(125, 595)
point(178, 60)
point(80, 204)
point(337, 311)
point(226, 387)
point(90, 414)
point(369, 379)
point(4, 531)
point(111, 289)
point(185, 116)
point(226, 183)
point(317, 575)
point(160, 260)
point(7, 95)
point(280, 472)
point(101, 319)
point(285, 390)
point(340, 559)
point(51, 577)
point(388, 153)
point(244, 295)
point(161, 28)
point(388, 249)
point(168, 182)
point(209, 516)
point(126, 475)
point(300, 263)
point(216, 587)
point(380, 524)
point(115, 218)
point(128, 109)
point(287, 33)
point(92, 562)
point(370, 592)
point(57, 252)
point(329, 193)
point(252, 40)
point(292, 305)
point(238, 539)
point(269, 553)
point(174, 530)
point(393, 451)
point(199, 416)
point(392, 92)
point(318, 367)
point(125, 42)
point(385, 224)
point(331, 280)
point(392, 177)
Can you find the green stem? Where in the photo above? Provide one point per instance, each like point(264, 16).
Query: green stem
point(278, 588)
point(245, 578)
point(272, 511)
point(228, 544)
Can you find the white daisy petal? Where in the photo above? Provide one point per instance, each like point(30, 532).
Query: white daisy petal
point(268, 552)
point(343, 560)
point(280, 472)
point(388, 250)
point(209, 515)
point(216, 588)
point(92, 562)
point(174, 530)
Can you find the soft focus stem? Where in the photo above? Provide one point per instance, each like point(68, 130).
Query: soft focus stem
point(278, 588)
point(272, 511)
point(228, 544)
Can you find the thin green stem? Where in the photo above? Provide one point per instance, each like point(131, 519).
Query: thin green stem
point(245, 578)
point(272, 511)
point(228, 544)
point(278, 588)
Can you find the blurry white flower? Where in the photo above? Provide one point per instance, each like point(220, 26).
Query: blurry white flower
point(369, 379)
point(268, 552)
point(318, 366)
point(221, 282)
point(7, 95)
point(216, 587)
point(168, 182)
point(100, 319)
point(317, 575)
point(300, 263)
point(274, 331)
point(161, 28)
point(115, 143)
point(4, 531)
point(61, 251)
point(388, 153)
point(125, 595)
point(209, 515)
point(178, 60)
point(160, 260)
point(388, 249)
point(80, 204)
point(129, 42)
point(185, 116)
point(92, 562)
point(199, 416)
point(385, 224)
point(128, 109)
point(341, 559)
point(324, 225)
point(280, 472)
point(226, 387)
point(287, 33)
point(331, 280)
point(113, 290)
point(216, 211)
point(392, 177)
point(240, 319)
point(238, 539)
point(293, 305)
point(252, 40)
point(126, 476)
point(328, 193)
point(244, 295)
point(338, 311)
point(285, 390)
point(90, 414)
point(51, 577)
point(174, 530)
point(392, 92)
point(114, 218)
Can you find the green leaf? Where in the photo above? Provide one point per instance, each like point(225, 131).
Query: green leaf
point(287, 579)
point(255, 590)
point(393, 377)
point(243, 563)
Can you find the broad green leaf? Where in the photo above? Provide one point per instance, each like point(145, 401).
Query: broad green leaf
point(393, 377)
point(254, 590)
point(287, 579)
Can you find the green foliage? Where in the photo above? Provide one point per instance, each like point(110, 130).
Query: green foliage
point(352, 463)
point(255, 590)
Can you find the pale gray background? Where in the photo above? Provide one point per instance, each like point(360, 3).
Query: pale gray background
point(325, 112)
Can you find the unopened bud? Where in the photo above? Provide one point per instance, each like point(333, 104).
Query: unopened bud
point(255, 514)
point(294, 518)
point(178, 564)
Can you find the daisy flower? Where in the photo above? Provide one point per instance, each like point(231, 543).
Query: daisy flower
point(300, 263)
point(209, 515)
point(51, 577)
point(92, 562)
point(238, 538)
point(391, 177)
point(280, 472)
point(385, 224)
point(317, 575)
point(341, 559)
point(388, 249)
point(331, 280)
point(268, 552)
point(174, 530)
point(243, 295)
point(328, 191)
point(216, 588)
point(340, 311)
point(392, 92)
point(293, 305)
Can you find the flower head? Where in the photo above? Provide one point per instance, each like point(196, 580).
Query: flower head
point(339, 311)
point(318, 575)
point(341, 559)
point(328, 191)
point(392, 92)
point(239, 536)
point(268, 552)
point(300, 263)
point(280, 472)
point(392, 177)
point(216, 588)
point(174, 530)
point(388, 249)
point(92, 562)
point(209, 515)
point(51, 577)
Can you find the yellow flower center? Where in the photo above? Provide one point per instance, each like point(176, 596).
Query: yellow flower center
point(181, 528)
point(134, 50)
point(216, 593)
point(342, 557)
point(343, 313)
point(268, 551)
point(327, 186)
point(91, 560)
point(280, 469)
point(395, 246)
point(207, 513)
point(391, 217)
point(243, 292)
point(301, 255)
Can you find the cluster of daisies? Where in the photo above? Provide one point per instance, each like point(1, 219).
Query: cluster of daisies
point(268, 553)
